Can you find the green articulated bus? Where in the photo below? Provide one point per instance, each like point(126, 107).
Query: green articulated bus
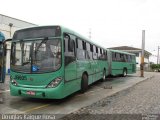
point(52, 62)
point(121, 63)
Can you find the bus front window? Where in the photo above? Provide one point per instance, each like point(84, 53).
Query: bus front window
point(36, 56)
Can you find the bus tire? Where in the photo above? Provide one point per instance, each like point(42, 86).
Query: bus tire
point(124, 72)
point(84, 83)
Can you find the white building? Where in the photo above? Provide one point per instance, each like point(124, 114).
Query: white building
point(138, 53)
point(8, 26)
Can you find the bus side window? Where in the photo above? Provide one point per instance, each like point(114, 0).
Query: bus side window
point(79, 43)
point(103, 55)
point(99, 54)
point(84, 45)
point(71, 44)
point(100, 51)
point(129, 58)
point(91, 48)
point(88, 51)
point(96, 49)
point(80, 49)
point(95, 52)
point(88, 47)
point(126, 58)
point(133, 58)
point(69, 48)
point(113, 56)
point(118, 59)
point(122, 58)
point(66, 39)
point(106, 56)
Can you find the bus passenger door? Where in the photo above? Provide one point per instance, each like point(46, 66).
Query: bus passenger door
point(94, 70)
point(88, 66)
point(69, 58)
point(94, 64)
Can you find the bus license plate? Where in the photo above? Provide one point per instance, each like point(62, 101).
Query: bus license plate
point(31, 93)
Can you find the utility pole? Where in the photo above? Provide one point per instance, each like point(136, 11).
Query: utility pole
point(142, 55)
point(158, 55)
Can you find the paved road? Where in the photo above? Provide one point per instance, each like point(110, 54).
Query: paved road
point(140, 102)
point(96, 92)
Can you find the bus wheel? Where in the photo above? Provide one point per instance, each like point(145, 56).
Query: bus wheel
point(84, 83)
point(124, 72)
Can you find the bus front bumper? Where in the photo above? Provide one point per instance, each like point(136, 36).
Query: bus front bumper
point(45, 93)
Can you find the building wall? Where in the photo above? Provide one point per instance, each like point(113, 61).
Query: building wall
point(8, 26)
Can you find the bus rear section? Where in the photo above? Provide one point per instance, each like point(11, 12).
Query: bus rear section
point(121, 63)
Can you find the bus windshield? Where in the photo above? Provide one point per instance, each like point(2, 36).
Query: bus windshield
point(36, 56)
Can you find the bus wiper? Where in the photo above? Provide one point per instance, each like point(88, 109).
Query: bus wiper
point(36, 49)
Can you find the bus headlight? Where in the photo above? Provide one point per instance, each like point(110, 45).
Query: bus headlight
point(54, 83)
point(14, 82)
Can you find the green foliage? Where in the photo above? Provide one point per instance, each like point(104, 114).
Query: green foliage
point(155, 66)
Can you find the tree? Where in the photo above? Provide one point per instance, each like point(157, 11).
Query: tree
point(156, 67)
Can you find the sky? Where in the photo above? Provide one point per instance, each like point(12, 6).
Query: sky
point(111, 23)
